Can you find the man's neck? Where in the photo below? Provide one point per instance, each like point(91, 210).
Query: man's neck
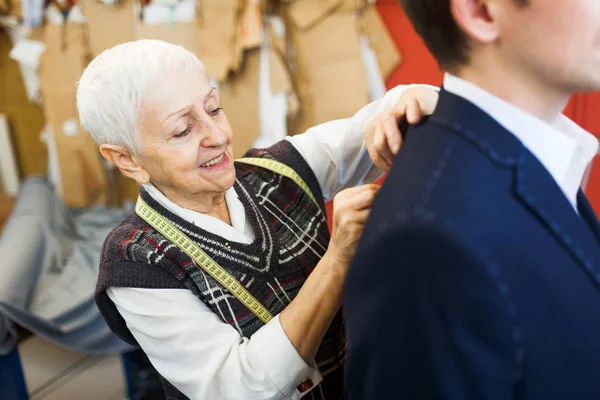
point(530, 95)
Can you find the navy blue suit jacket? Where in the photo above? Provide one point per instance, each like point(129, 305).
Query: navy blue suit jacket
point(475, 277)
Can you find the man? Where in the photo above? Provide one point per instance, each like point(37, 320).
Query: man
point(478, 275)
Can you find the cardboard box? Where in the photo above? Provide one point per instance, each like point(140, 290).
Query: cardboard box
point(126, 189)
point(181, 33)
point(329, 74)
point(27, 51)
point(218, 35)
point(16, 8)
point(82, 177)
point(238, 96)
point(251, 25)
point(6, 206)
point(281, 82)
point(279, 75)
point(354, 5)
point(9, 170)
point(278, 37)
point(380, 40)
point(4, 7)
point(108, 25)
point(305, 14)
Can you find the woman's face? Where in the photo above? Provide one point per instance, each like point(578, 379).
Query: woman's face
point(186, 137)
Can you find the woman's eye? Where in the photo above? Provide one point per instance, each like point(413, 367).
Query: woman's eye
point(215, 112)
point(185, 132)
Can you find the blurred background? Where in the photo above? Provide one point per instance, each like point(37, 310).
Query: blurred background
point(279, 66)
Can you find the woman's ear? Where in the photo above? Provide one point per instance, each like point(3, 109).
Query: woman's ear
point(126, 162)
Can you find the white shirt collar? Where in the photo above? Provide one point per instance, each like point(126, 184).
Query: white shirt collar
point(239, 230)
point(564, 148)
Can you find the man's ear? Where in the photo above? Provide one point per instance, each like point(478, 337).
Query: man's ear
point(126, 162)
point(477, 19)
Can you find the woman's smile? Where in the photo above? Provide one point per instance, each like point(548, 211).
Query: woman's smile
point(215, 162)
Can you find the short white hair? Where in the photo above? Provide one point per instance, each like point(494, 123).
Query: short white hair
point(113, 86)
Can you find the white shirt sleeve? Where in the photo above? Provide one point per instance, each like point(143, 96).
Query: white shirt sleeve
point(336, 150)
point(206, 358)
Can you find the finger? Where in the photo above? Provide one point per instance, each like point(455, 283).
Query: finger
point(356, 190)
point(400, 113)
point(370, 133)
point(357, 195)
point(345, 209)
point(373, 154)
point(380, 139)
point(413, 112)
point(360, 217)
point(399, 110)
point(353, 217)
point(364, 198)
point(429, 103)
point(381, 163)
point(392, 136)
point(369, 187)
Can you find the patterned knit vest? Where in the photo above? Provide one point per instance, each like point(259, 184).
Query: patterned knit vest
point(291, 236)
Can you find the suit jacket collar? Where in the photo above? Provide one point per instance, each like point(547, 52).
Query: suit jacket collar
point(477, 127)
point(564, 148)
point(533, 186)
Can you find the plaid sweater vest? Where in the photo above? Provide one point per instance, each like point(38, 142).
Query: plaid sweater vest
point(291, 236)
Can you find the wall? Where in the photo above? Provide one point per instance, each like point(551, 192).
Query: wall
point(26, 120)
point(586, 112)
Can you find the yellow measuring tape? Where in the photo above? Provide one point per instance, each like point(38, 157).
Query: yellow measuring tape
point(281, 169)
point(187, 245)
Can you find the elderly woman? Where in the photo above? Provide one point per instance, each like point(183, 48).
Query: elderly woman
point(226, 275)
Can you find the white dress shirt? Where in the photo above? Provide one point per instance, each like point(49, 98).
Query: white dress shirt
point(187, 343)
point(564, 149)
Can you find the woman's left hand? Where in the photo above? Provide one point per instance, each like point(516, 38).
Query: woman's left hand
point(382, 132)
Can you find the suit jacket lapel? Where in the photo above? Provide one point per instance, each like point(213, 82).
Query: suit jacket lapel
point(534, 185)
point(543, 197)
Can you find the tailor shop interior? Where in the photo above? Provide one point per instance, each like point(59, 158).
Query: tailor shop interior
point(271, 63)
point(279, 67)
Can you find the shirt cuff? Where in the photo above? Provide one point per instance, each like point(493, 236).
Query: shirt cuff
point(290, 374)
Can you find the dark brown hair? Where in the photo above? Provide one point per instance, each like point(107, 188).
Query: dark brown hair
point(434, 22)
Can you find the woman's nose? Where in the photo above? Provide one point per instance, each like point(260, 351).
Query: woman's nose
point(213, 136)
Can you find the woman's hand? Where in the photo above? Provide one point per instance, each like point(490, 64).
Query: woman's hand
point(382, 132)
point(351, 207)
point(306, 319)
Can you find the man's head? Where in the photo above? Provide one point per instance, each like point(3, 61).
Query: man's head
point(557, 41)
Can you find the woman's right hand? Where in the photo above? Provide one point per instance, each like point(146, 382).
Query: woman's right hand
point(351, 207)
point(306, 319)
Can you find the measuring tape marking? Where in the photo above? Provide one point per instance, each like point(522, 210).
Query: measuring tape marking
point(202, 259)
point(281, 169)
